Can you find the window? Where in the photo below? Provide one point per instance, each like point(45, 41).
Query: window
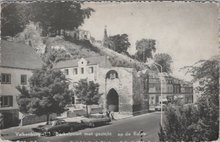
point(82, 70)
point(73, 100)
point(6, 101)
point(5, 78)
point(75, 71)
point(151, 85)
point(66, 72)
point(23, 79)
point(112, 76)
point(152, 100)
point(91, 69)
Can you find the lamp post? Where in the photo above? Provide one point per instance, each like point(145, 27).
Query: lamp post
point(161, 92)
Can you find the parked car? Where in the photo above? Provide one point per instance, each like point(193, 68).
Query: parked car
point(158, 107)
point(96, 121)
point(58, 126)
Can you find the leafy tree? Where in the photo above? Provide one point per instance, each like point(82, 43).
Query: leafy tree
point(205, 123)
point(48, 93)
point(178, 124)
point(87, 93)
point(12, 21)
point(207, 72)
point(60, 16)
point(165, 60)
point(120, 43)
point(53, 17)
point(144, 48)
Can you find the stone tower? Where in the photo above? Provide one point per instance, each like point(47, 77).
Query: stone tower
point(105, 38)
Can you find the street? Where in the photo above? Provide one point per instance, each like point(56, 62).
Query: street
point(125, 130)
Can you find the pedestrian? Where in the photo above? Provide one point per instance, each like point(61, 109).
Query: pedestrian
point(112, 115)
point(108, 113)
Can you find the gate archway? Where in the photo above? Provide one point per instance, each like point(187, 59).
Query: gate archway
point(112, 100)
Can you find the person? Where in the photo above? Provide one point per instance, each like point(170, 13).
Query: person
point(108, 114)
point(112, 115)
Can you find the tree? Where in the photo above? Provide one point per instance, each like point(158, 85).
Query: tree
point(120, 43)
point(12, 21)
point(165, 60)
point(87, 93)
point(179, 123)
point(205, 123)
point(207, 72)
point(144, 48)
point(53, 17)
point(48, 93)
point(60, 16)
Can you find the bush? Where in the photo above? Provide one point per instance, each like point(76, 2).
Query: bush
point(184, 124)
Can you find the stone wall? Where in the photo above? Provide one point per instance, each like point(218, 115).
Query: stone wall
point(82, 112)
point(32, 118)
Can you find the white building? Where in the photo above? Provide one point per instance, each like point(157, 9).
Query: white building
point(122, 89)
point(16, 66)
point(84, 68)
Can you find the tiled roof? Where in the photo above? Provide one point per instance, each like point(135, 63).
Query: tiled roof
point(19, 55)
point(102, 61)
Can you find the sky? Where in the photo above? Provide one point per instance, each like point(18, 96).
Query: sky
point(188, 31)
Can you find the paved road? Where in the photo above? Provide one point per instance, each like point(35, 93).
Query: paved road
point(125, 130)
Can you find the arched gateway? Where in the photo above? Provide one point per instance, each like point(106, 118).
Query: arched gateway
point(112, 100)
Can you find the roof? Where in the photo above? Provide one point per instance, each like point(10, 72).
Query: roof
point(19, 55)
point(102, 61)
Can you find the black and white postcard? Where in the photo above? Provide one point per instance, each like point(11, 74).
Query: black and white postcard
point(109, 71)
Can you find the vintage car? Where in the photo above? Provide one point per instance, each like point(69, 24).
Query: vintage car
point(158, 107)
point(58, 126)
point(96, 121)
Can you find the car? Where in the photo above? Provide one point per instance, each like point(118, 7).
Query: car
point(158, 107)
point(58, 126)
point(96, 121)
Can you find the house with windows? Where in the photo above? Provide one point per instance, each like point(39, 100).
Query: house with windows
point(79, 34)
point(122, 88)
point(172, 89)
point(17, 63)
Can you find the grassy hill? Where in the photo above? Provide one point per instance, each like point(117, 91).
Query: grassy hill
point(79, 49)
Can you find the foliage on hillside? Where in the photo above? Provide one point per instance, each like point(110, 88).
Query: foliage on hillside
point(53, 17)
point(78, 49)
point(60, 48)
